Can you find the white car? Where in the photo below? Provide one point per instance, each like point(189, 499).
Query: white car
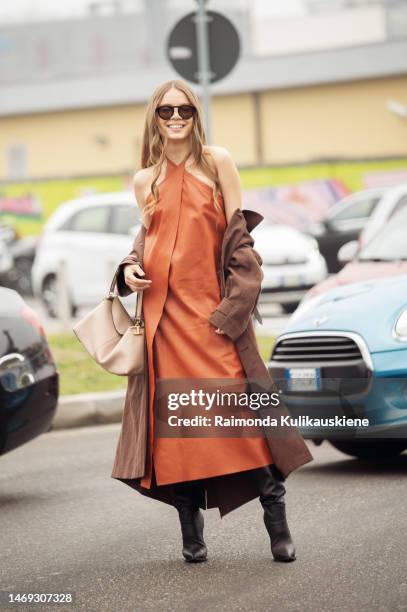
point(83, 242)
point(392, 201)
point(292, 264)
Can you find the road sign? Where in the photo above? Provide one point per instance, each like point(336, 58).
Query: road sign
point(223, 45)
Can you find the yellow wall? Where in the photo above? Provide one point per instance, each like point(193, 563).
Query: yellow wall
point(348, 120)
point(233, 127)
point(63, 144)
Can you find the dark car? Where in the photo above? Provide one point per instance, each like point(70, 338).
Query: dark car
point(29, 380)
point(343, 224)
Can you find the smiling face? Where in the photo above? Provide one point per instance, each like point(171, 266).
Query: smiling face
point(175, 128)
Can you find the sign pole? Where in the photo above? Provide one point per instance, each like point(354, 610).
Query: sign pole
point(203, 63)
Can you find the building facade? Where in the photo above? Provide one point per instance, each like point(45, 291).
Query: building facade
point(73, 93)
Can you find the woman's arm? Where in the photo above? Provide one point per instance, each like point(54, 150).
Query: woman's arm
point(243, 273)
point(230, 186)
point(229, 180)
point(130, 272)
point(141, 180)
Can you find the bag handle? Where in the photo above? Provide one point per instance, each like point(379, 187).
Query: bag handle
point(139, 299)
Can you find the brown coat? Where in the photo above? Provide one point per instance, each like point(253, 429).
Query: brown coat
point(240, 278)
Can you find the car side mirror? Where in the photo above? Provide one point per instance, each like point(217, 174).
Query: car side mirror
point(348, 251)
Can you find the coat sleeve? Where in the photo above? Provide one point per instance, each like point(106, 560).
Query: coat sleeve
point(134, 257)
point(242, 288)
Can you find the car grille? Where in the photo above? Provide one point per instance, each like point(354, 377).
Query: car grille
point(316, 348)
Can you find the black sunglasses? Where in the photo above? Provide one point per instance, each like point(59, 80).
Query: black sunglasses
point(185, 111)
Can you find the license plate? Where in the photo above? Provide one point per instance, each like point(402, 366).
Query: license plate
point(303, 379)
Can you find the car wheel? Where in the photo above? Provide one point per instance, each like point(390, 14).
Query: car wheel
point(50, 297)
point(23, 267)
point(290, 307)
point(370, 449)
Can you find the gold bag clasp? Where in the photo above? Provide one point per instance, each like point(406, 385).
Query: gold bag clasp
point(137, 327)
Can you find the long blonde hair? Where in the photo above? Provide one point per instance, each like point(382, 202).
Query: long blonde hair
point(154, 145)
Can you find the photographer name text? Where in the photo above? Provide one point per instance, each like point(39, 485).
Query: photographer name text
point(287, 421)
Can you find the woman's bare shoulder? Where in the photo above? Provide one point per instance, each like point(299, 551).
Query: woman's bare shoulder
point(141, 181)
point(223, 160)
point(219, 154)
point(142, 177)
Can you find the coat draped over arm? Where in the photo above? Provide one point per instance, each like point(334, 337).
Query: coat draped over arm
point(242, 276)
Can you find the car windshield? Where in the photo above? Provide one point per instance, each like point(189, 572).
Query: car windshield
point(361, 208)
point(390, 243)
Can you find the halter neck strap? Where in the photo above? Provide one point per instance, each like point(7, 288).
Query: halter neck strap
point(181, 163)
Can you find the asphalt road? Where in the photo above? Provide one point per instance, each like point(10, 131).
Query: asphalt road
point(67, 526)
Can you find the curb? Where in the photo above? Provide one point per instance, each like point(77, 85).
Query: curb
point(89, 409)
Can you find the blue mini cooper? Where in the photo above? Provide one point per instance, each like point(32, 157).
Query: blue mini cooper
point(342, 361)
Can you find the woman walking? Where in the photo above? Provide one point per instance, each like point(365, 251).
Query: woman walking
point(190, 200)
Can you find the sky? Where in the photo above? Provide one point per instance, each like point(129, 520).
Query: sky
point(28, 10)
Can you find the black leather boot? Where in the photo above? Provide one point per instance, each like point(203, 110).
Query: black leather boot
point(186, 500)
point(272, 490)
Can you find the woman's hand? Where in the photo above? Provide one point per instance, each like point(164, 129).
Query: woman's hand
point(134, 283)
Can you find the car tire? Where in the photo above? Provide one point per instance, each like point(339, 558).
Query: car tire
point(50, 297)
point(370, 449)
point(290, 307)
point(23, 267)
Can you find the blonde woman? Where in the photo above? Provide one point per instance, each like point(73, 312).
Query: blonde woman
point(190, 200)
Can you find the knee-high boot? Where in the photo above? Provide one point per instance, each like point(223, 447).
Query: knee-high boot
point(271, 495)
point(187, 496)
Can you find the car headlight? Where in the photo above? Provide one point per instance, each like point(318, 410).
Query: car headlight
point(400, 328)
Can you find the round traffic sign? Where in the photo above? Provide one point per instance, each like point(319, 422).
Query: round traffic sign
point(223, 46)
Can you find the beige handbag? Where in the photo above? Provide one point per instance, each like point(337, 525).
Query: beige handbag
point(111, 337)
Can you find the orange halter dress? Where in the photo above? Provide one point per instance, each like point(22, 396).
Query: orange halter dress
point(181, 257)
